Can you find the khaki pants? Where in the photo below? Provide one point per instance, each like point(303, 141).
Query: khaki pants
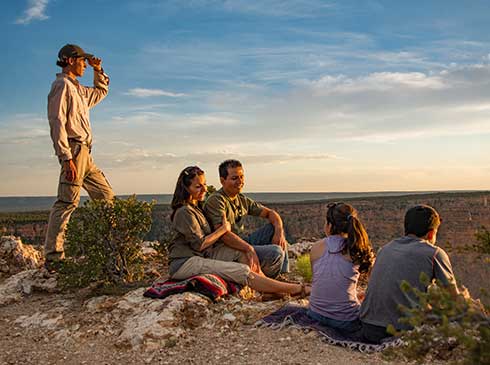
point(91, 179)
point(220, 261)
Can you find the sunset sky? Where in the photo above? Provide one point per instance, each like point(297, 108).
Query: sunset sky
point(310, 95)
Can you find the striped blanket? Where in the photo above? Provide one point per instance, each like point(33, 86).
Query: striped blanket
point(209, 285)
point(296, 316)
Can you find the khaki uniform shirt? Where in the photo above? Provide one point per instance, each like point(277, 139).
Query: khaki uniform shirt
point(219, 204)
point(68, 110)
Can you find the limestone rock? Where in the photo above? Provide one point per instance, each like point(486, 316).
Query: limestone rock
point(147, 248)
point(135, 321)
point(24, 283)
point(229, 317)
point(45, 320)
point(299, 248)
point(11, 289)
point(16, 256)
point(149, 323)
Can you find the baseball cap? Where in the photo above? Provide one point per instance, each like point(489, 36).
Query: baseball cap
point(72, 50)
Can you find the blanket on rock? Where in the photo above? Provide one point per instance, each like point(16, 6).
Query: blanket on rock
point(209, 285)
point(296, 316)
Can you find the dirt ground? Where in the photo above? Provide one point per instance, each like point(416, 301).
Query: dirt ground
point(236, 343)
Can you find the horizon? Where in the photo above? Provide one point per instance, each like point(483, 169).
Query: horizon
point(84, 194)
point(24, 204)
point(311, 96)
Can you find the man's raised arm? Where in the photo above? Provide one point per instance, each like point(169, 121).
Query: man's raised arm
point(101, 83)
point(275, 219)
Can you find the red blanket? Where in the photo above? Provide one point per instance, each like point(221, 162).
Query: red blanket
point(210, 285)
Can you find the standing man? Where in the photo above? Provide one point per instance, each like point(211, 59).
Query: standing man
point(68, 115)
point(265, 249)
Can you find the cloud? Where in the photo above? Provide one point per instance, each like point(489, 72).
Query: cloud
point(265, 63)
point(20, 129)
point(35, 11)
point(381, 107)
point(378, 81)
point(145, 93)
point(140, 158)
point(280, 8)
point(330, 110)
point(262, 8)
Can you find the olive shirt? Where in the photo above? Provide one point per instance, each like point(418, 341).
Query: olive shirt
point(219, 204)
point(190, 228)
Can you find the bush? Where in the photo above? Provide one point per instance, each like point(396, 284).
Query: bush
point(483, 241)
point(303, 265)
point(211, 190)
point(445, 328)
point(103, 242)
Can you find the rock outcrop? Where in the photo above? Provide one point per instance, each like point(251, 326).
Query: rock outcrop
point(132, 320)
point(299, 248)
point(14, 288)
point(138, 322)
point(16, 256)
point(135, 321)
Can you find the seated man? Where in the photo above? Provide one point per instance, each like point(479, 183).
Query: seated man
point(404, 259)
point(265, 249)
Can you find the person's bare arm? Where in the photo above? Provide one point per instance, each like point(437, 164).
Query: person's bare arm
point(211, 238)
point(454, 291)
point(316, 251)
point(101, 83)
point(275, 219)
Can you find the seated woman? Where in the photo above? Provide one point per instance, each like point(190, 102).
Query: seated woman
point(196, 250)
point(336, 262)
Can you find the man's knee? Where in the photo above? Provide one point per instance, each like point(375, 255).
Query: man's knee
point(271, 262)
point(65, 205)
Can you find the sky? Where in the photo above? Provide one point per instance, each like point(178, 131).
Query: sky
point(310, 95)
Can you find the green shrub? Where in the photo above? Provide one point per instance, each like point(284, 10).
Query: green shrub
point(103, 242)
point(452, 329)
point(303, 265)
point(483, 241)
point(211, 190)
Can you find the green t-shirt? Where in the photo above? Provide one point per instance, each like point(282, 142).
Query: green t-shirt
point(219, 204)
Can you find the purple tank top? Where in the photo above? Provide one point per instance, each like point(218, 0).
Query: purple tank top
point(333, 293)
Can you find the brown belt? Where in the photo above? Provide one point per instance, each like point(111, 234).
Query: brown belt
point(85, 143)
point(74, 140)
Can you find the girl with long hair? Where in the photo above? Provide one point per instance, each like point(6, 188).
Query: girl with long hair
point(195, 249)
point(337, 261)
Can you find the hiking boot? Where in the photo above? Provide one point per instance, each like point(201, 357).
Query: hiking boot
point(52, 266)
